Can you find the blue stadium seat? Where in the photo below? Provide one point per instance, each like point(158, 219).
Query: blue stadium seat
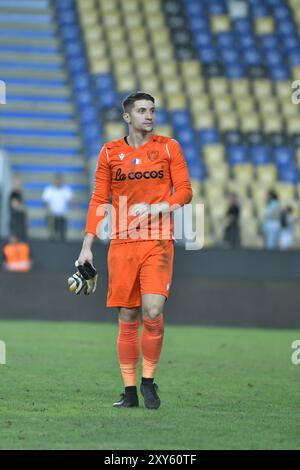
point(252, 56)
point(197, 170)
point(208, 54)
point(280, 72)
point(230, 56)
point(234, 71)
point(237, 154)
point(161, 116)
point(261, 155)
point(283, 156)
point(181, 119)
point(209, 136)
point(289, 174)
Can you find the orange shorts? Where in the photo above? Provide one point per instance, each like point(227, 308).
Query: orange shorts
point(137, 268)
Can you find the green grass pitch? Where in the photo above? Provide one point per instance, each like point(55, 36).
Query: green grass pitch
point(220, 388)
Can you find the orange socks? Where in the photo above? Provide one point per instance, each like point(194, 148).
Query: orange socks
point(152, 339)
point(129, 351)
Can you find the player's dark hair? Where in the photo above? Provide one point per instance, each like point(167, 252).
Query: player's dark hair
point(133, 97)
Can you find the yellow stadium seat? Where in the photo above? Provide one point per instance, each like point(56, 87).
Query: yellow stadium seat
point(93, 34)
point(213, 191)
point(119, 51)
point(194, 86)
point(293, 124)
point(130, 6)
point(196, 188)
point(141, 52)
point(237, 187)
point(295, 72)
point(240, 87)
point(204, 121)
point(126, 83)
point(171, 85)
point(228, 122)
point(247, 209)
point(163, 54)
point(218, 86)
point(223, 104)
point(176, 101)
point(116, 35)
point(114, 130)
point(264, 25)
point(289, 109)
point(266, 175)
point(272, 123)
point(213, 154)
point(168, 69)
point(164, 129)
point(286, 192)
point(112, 19)
point(145, 69)
point(137, 35)
point(123, 67)
point(85, 5)
point(268, 106)
point(100, 66)
point(150, 83)
point(262, 88)
point(220, 23)
point(190, 69)
point(160, 37)
point(88, 19)
point(96, 51)
point(200, 103)
point(283, 89)
point(151, 7)
point(243, 172)
point(133, 20)
point(244, 105)
point(107, 6)
point(219, 173)
point(250, 122)
point(155, 20)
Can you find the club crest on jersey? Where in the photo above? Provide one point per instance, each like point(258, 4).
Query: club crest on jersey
point(137, 161)
point(121, 155)
point(153, 155)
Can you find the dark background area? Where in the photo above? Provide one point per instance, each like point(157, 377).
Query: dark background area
point(210, 287)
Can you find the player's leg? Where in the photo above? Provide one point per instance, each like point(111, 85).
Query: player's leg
point(152, 340)
point(128, 353)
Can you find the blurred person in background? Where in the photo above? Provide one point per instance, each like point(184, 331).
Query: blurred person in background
point(16, 256)
point(287, 237)
point(17, 210)
point(232, 224)
point(271, 224)
point(57, 198)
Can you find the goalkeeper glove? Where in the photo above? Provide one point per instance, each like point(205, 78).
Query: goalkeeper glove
point(84, 279)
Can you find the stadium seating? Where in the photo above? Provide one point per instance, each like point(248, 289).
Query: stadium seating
point(222, 83)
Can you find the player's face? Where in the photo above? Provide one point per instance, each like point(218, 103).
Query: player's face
point(142, 116)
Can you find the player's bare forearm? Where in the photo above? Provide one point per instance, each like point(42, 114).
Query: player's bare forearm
point(86, 250)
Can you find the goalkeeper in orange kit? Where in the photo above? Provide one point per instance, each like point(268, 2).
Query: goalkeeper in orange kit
point(138, 172)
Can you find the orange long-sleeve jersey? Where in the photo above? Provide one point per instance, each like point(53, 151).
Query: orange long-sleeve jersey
point(131, 176)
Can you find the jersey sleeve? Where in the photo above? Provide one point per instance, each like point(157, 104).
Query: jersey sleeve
point(180, 176)
point(101, 194)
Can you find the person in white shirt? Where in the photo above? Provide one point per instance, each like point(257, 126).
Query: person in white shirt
point(57, 198)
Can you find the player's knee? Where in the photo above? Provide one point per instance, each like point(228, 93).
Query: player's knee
point(128, 315)
point(152, 311)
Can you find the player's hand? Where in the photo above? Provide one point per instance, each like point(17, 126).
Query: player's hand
point(84, 279)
